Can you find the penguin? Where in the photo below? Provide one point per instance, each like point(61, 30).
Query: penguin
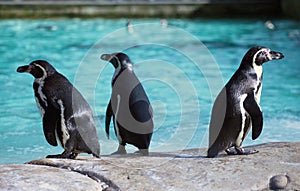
point(129, 106)
point(237, 107)
point(66, 115)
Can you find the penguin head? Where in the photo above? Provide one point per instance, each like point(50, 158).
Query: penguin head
point(118, 60)
point(258, 55)
point(38, 68)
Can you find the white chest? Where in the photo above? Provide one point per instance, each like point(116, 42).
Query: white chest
point(258, 85)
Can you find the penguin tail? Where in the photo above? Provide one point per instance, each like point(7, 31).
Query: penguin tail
point(96, 155)
point(211, 153)
point(214, 150)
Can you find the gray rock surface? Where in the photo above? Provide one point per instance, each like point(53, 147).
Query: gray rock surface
point(37, 178)
point(182, 170)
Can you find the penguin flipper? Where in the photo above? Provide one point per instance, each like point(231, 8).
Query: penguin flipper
point(49, 125)
point(255, 113)
point(108, 115)
point(141, 111)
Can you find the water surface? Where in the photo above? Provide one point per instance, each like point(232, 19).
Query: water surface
point(180, 75)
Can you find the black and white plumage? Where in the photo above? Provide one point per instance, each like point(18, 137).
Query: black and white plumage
point(129, 106)
point(65, 113)
point(237, 107)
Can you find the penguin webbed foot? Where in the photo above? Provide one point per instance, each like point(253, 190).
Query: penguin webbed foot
point(121, 151)
point(64, 155)
point(240, 151)
point(96, 155)
point(54, 156)
point(143, 152)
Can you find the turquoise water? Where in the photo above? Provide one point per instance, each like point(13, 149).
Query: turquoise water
point(182, 67)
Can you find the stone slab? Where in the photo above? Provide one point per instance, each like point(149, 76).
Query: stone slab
point(24, 177)
point(191, 170)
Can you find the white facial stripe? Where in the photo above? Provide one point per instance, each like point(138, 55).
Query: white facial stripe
point(64, 130)
point(119, 63)
point(118, 69)
point(239, 139)
point(255, 55)
point(44, 71)
point(258, 69)
point(266, 50)
point(41, 82)
point(116, 115)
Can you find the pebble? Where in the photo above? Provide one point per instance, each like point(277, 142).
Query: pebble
point(278, 182)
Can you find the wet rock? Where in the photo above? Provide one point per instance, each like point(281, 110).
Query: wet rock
point(278, 182)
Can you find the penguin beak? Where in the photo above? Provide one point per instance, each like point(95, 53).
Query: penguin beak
point(276, 55)
point(106, 57)
point(26, 68)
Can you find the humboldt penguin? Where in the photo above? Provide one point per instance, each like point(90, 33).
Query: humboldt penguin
point(129, 106)
point(66, 115)
point(237, 107)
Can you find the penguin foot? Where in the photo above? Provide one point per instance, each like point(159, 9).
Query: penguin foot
point(121, 151)
point(64, 155)
point(144, 152)
point(96, 155)
point(59, 156)
point(73, 155)
point(239, 151)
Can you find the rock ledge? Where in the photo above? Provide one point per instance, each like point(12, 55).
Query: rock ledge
point(276, 166)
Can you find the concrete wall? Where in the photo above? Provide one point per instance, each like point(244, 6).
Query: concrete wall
point(291, 8)
point(212, 8)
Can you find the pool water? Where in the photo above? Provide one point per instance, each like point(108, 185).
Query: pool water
point(182, 68)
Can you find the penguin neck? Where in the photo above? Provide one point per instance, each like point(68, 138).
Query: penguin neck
point(117, 73)
point(258, 70)
point(40, 80)
point(253, 68)
point(119, 70)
